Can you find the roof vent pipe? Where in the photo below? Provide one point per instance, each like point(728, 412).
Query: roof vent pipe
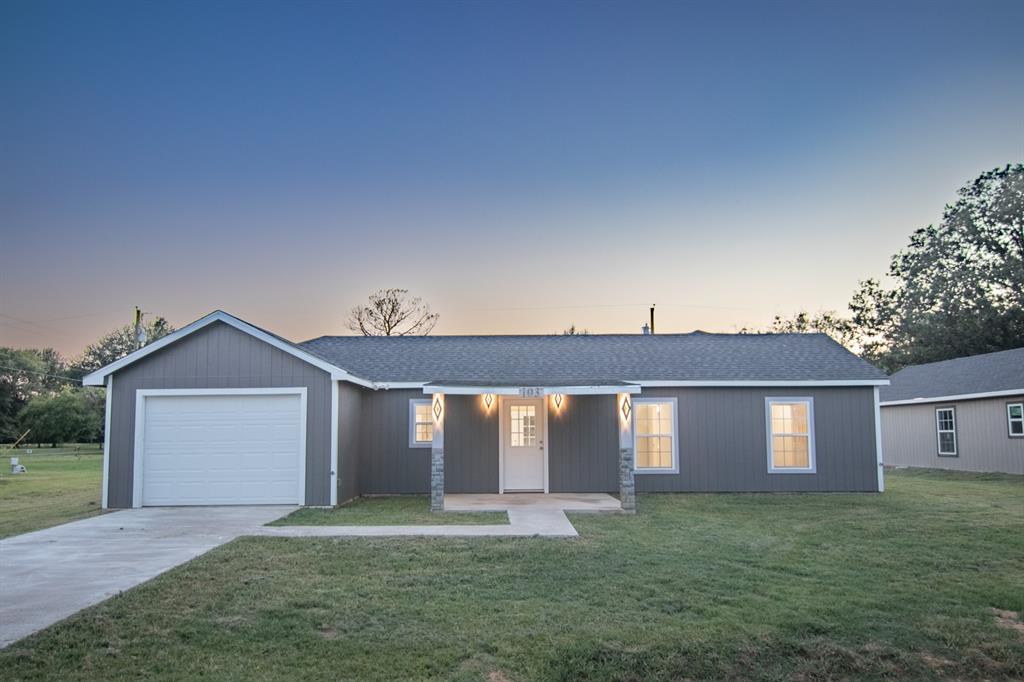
point(652, 318)
point(645, 330)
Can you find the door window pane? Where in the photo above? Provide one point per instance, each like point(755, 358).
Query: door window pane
point(524, 425)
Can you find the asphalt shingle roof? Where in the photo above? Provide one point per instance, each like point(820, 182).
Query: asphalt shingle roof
point(593, 358)
point(1001, 371)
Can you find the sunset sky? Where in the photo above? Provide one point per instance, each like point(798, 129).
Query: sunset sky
point(520, 166)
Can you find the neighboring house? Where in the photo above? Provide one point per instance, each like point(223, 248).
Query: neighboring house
point(222, 412)
point(965, 414)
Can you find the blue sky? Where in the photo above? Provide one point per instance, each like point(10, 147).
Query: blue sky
point(522, 166)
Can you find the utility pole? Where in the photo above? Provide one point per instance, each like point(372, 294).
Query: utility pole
point(140, 331)
point(652, 318)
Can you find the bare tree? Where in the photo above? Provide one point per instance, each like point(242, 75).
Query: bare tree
point(392, 312)
point(573, 330)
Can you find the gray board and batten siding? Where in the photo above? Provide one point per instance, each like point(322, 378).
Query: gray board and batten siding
point(219, 356)
point(722, 443)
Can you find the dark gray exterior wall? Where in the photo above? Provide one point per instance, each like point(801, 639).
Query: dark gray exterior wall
point(723, 443)
point(350, 426)
point(387, 465)
point(220, 356)
point(583, 445)
point(470, 445)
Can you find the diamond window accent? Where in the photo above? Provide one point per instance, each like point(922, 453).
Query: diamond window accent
point(626, 408)
point(437, 409)
point(488, 400)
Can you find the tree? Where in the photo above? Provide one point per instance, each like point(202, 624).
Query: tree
point(21, 378)
point(574, 331)
point(66, 417)
point(958, 287)
point(827, 322)
point(393, 312)
point(841, 329)
point(116, 345)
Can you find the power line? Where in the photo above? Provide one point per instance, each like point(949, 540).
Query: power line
point(32, 371)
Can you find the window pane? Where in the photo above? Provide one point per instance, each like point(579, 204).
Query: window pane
point(791, 452)
point(946, 442)
point(423, 413)
point(1016, 411)
point(1017, 428)
point(424, 433)
point(790, 418)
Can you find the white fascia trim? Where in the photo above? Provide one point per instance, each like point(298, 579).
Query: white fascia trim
point(951, 398)
point(106, 442)
point(140, 427)
point(98, 377)
point(335, 387)
point(514, 390)
point(878, 444)
point(807, 383)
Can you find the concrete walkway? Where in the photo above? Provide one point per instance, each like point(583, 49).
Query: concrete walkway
point(522, 523)
point(51, 574)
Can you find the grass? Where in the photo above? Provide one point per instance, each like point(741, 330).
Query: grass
point(900, 585)
point(409, 510)
point(60, 486)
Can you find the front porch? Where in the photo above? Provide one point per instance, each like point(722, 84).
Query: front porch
point(566, 502)
point(553, 448)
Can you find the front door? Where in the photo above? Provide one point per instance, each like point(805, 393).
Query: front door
point(523, 422)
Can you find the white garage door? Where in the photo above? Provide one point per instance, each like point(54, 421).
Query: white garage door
point(222, 449)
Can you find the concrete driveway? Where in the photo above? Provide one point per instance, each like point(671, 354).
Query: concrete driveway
point(50, 574)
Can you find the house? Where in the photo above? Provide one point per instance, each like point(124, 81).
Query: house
point(965, 414)
point(222, 412)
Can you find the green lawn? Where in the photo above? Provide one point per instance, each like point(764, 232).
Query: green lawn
point(408, 510)
point(60, 486)
point(900, 585)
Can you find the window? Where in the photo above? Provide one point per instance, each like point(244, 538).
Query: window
point(1015, 419)
point(654, 435)
point(421, 424)
point(945, 428)
point(524, 426)
point(790, 435)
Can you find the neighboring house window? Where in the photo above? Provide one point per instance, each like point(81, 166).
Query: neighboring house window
point(1015, 419)
point(945, 427)
point(655, 443)
point(421, 424)
point(790, 435)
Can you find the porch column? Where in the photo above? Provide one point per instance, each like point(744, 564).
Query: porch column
point(627, 485)
point(437, 454)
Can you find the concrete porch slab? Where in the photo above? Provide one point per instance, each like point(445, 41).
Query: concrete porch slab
point(572, 502)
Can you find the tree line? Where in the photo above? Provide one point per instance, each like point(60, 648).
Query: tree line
point(956, 289)
point(42, 393)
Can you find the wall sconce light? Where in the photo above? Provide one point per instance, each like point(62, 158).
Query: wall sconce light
point(627, 408)
point(488, 400)
point(557, 398)
point(437, 408)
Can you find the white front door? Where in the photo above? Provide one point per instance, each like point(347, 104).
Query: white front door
point(523, 446)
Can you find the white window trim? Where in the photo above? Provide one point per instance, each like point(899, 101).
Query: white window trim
point(811, 449)
point(938, 431)
point(1010, 420)
point(140, 422)
point(413, 443)
point(674, 469)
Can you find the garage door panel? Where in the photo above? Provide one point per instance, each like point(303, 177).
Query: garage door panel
point(222, 449)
